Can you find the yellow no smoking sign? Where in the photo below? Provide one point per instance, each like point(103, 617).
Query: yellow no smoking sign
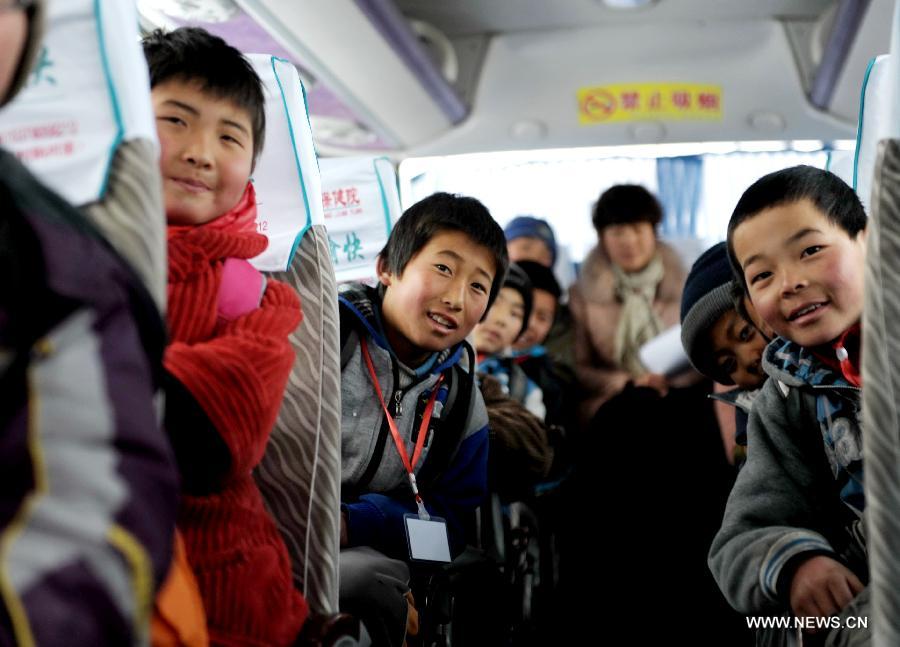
point(638, 101)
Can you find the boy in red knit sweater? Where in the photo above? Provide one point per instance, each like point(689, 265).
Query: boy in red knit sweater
point(228, 357)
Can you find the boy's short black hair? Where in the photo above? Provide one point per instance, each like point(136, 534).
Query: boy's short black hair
point(542, 278)
point(445, 212)
point(193, 54)
point(829, 193)
point(625, 204)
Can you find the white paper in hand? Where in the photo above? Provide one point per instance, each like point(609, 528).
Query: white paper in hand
point(664, 354)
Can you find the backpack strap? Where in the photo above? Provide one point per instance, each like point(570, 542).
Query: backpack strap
point(453, 426)
point(349, 335)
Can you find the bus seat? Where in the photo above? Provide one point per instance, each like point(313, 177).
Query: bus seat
point(881, 376)
point(300, 473)
point(880, 366)
point(84, 125)
point(361, 201)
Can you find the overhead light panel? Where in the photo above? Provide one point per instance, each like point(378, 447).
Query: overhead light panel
point(208, 11)
point(628, 4)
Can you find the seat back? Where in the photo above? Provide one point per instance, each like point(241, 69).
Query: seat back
point(301, 471)
point(84, 125)
point(878, 166)
point(286, 178)
point(881, 377)
point(361, 201)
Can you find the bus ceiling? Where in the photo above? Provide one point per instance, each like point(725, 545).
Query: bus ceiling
point(405, 77)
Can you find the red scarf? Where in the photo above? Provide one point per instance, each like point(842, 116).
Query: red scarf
point(240, 220)
point(196, 259)
point(237, 374)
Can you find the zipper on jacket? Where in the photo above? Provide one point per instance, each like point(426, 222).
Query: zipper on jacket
point(398, 408)
point(375, 459)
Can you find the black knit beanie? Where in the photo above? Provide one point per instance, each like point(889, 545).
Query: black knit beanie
point(707, 296)
point(518, 280)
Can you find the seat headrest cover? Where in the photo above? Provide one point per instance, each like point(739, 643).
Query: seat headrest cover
point(286, 178)
point(89, 90)
point(876, 122)
point(361, 203)
point(840, 163)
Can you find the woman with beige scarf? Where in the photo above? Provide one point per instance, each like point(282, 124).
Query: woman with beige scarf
point(652, 456)
point(629, 291)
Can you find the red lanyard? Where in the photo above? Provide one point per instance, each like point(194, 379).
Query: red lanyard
point(398, 441)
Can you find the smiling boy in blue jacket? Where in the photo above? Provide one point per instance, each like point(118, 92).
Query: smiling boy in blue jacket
point(438, 274)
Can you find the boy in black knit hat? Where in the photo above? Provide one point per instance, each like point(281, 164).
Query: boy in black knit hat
point(722, 342)
point(720, 338)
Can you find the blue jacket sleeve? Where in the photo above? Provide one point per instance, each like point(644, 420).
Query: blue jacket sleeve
point(376, 520)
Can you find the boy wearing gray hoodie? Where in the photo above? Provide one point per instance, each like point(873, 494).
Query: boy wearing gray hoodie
point(791, 541)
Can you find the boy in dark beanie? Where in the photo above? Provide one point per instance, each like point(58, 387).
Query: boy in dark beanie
point(722, 344)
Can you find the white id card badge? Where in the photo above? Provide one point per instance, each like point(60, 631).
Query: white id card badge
point(427, 540)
